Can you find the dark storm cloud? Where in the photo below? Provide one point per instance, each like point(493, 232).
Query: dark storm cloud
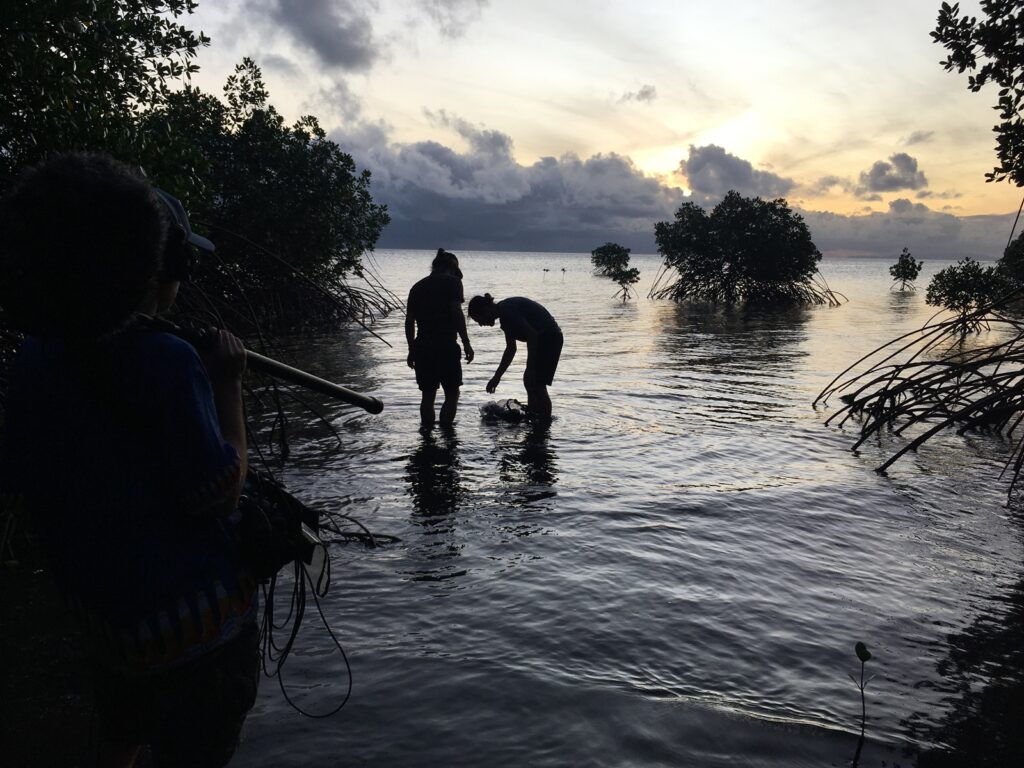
point(712, 172)
point(900, 172)
point(646, 95)
point(339, 32)
point(483, 198)
point(904, 208)
point(919, 137)
point(928, 233)
point(453, 16)
point(482, 141)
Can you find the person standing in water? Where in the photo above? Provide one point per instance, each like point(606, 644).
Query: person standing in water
point(524, 320)
point(433, 319)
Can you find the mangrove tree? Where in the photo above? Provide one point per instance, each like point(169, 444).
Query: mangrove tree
point(746, 250)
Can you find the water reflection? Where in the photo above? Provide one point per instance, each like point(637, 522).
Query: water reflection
point(903, 303)
point(527, 467)
point(984, 673)
point(292, 422)
point(741, 359)
point(434, 478)
point(734, 338)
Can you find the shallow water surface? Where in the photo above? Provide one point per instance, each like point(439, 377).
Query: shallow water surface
point(674, 572)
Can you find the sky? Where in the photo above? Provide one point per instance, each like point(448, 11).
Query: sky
point(536, 125)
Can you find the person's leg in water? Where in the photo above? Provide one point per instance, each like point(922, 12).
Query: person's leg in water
point(538, 400)
point(541, 363)
point(427, 407)
point(451, 403)
point(538, 403)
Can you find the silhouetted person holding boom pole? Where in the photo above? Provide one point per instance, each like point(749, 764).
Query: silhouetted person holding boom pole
point(433, 319)
point(524, 320)
point(129, 448)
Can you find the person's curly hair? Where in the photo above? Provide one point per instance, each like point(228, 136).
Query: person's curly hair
point(82, 239)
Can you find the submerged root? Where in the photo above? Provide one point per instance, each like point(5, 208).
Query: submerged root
point(814, 291)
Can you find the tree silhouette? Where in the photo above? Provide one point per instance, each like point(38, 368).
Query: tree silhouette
point(964, 288)
point(747, 249)
point(612, 260)
point(990, 51)
point(905, 271)
point(77, 74)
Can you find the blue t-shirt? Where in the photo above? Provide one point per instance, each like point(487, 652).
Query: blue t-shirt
point(120, 457)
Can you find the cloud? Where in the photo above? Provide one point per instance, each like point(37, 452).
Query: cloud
point(711, 172)
point(826, 183)
point(452, 17)
point(337, 35)
point(927, 193)
point(483, 198)
point(900, 172)
point(928, 233)
point(336, 100)
point(483, 141)
point(338, 32)
point(646, 94)
point(903, 207)
point(280, 64)
point(918, 137)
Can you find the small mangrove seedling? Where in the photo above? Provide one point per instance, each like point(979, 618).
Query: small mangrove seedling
point(865, 656)
point(612, 260)
point(905, 271)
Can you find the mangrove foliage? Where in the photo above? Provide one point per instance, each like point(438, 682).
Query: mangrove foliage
point(611, 260)
point(905, 271)
point(746, 250)
point(927, 381)
point(290, 213)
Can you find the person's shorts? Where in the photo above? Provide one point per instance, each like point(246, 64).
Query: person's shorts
point(438, 364)
point(542, 357)
point(190, 715)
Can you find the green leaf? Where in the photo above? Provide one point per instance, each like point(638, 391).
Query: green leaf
point(862, 653)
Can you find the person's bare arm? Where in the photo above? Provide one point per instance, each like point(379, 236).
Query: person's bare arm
point(460, 326)
point(224, 358)
point(506, 360)
point(410, 337)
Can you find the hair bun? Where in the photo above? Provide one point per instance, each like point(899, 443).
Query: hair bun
point(488, 297)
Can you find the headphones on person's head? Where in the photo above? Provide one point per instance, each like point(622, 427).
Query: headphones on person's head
point(179, 255)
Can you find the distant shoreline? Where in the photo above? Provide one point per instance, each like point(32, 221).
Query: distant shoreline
point(836, 255)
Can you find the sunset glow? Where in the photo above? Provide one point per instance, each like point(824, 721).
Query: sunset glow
point(842, 108)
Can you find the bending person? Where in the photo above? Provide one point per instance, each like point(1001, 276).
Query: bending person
point(432, 321)
point(524, 320)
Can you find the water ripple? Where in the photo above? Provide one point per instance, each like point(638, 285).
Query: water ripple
point(674, 573)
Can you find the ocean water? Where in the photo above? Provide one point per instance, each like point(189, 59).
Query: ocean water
point(674, 573)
